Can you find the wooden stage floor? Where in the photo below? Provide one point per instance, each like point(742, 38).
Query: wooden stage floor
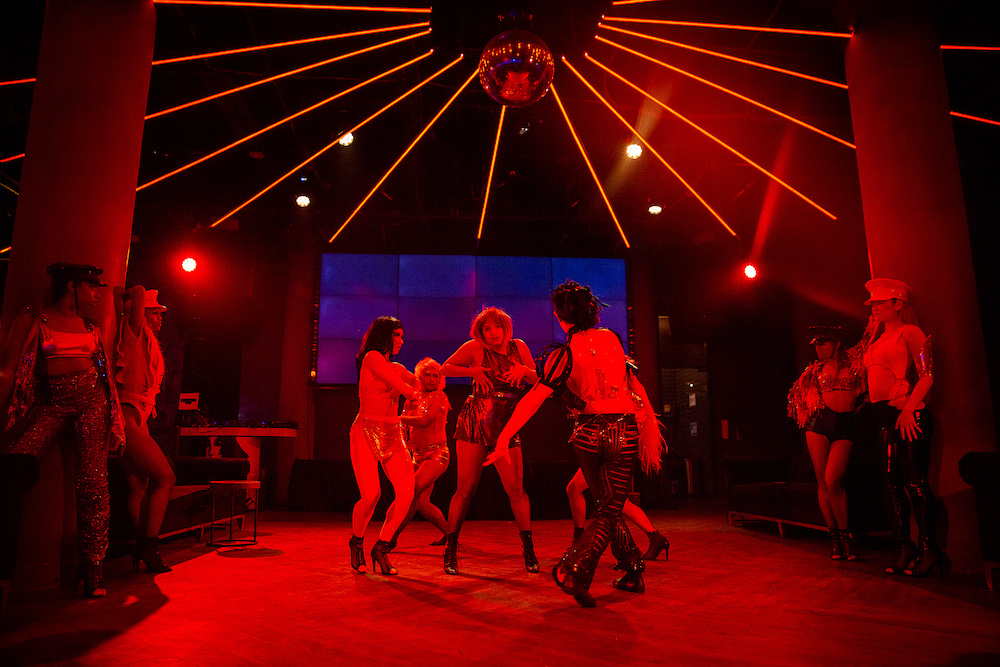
point(726, 596)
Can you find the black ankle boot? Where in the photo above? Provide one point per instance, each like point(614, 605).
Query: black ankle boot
point(451, 553)
point(379, 556)
point(572, 585)
point(358, 554)
point(631, 582)
point(530, 561)
point(657, 543)
point(147, 550)
point(906, 554)
point(836, 545)
point(930, 556)
point(90, 575)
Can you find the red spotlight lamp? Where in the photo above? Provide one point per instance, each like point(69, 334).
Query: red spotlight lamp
point(750, 271)
point(189, 264)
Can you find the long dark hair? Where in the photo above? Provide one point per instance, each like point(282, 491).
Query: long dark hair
point(378, 338)
point(576, 304)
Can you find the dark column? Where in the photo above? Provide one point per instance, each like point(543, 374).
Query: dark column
point(78, 189)
point(917, 232)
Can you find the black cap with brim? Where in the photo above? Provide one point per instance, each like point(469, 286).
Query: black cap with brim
point(87, 273)
point(824, 334)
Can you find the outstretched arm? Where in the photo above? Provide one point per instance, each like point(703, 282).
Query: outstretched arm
point(525, 410)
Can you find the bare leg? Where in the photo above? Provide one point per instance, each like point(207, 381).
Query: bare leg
point(366, 473)
point(836, 466)
point(512, 478)
point(427, 474)
point(638, 517)
point(150, 473)
point(819, 452)
point(399, 469)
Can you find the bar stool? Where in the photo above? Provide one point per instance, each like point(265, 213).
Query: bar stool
point(230, 488)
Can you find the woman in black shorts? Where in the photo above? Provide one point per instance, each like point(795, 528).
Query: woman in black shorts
point(822, 401)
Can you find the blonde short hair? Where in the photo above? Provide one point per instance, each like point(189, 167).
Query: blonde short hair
point(425, 363)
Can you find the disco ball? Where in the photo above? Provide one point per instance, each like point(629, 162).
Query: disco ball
point(516, 68)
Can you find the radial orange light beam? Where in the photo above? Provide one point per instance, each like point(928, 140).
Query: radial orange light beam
point(14, 82)
point(295, 42)
point(618, 3)
point(979, 119)
point(289, 5)
point(593, 174)
point(649, 147)
point(749, 100)
point(286, 74)
point(5, 250)
point(729, 26)
point(744, 61)
point(11, 158)
point(406, 152)
point(711, 136)
point(333, 143)
point(282, 121)
point(489, 179)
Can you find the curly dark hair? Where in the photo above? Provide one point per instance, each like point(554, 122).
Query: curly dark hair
point(378, 338)
point(576, 304)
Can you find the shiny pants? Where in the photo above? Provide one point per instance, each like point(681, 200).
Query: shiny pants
point(79, 402)
point(907, 463)
point(607, 448)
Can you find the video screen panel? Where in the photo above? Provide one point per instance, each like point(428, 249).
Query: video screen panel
point(437, 296)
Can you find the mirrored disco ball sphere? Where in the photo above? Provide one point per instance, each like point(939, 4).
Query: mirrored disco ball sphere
point(516, 68)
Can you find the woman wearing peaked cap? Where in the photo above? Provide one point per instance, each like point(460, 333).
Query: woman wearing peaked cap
point(139, 374)
point(899, 372)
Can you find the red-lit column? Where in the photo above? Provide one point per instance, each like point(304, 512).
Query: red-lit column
point(77, 195)
point(917, 232)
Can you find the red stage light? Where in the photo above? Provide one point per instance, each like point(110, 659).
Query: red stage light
point(189, 264)
point(750, 271)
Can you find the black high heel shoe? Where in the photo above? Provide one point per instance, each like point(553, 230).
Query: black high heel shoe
point(379, 556)
point(836, 545)
point(530, 560)
point(90, 575)
point(147, 550)
point(848, 549)
point(451, 553)
point(930, 556)
point(657, 543)
point(906, 553)
point(358, 554)
point(571, 586)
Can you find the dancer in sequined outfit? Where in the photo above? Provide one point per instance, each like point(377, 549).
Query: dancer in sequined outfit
point(140, 372)
point(615, 426)
point(425, 418)
point(55, 376)
point(822, 402)
point(377, 439)
point(497, 363)
point(899, 372)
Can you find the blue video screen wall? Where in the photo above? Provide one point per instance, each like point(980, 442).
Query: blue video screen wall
point(437, 296)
